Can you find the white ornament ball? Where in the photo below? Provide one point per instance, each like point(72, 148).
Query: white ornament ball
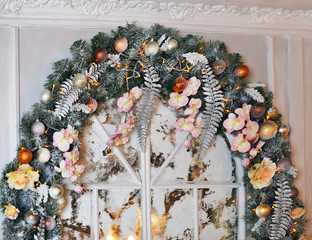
point(37, 128)
point(56, 191)
point(62, 202)
point(50, 223)
point(43, 155)
point(172, 44)
point(151, 48)
point(45, 96)
point(31, 217)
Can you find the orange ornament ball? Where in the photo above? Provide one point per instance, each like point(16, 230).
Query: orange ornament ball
point(24, 156)
point(242, 71)
point(179, 84)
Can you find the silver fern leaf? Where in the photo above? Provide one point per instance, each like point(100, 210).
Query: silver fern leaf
point(282, 208)
point(94, 72)
point(41, 230)
point(213, 112)
point(68, 95)
point(146, 105)
point(254, 93)
point(81, 107)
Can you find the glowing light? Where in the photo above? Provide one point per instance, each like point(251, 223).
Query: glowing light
point(233, 201)
point(110, 237)
point(249, 197)
point(131, 238)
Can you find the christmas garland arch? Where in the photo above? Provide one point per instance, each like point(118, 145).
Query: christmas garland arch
point(206, 84)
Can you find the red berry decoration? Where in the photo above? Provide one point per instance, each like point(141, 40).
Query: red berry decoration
point(24, 156)
point(100, 55)
point(242, 71)
point(179, 84)
point(258, 110)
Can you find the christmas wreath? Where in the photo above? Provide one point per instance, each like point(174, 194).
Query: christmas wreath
point(207, 85)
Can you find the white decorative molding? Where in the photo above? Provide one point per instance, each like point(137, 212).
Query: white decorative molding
point(176, 10)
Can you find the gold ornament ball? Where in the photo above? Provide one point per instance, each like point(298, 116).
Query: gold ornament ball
point(218, 66)
point(283, 130)
point(24, 156)
point(80, 81)
point(267, 130)
point(151, 48)
point(272, 113)
point(31, 217)
point(263, 210)
point(172, 44)
point(56, 191)
point(62, 202)
point(45, 96)
point(121, 44)
point(43, 155)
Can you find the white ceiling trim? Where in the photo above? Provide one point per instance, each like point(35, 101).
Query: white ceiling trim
point(176, 10)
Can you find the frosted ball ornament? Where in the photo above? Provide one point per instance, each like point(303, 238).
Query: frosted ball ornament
point(80, 81)
point(37, 128)
point(218, 66)
point(92, 104)
point(263, 210)
point(283, 164)
point(172, 44)
point(56, 191)
point(31, 217)
point(45, 96)
point(257, 110)
point(61, 202)
point(50, 223)
point(151, 48)
point(121, 44)
point(267, 130)
point(100, 55)
point(43, 155)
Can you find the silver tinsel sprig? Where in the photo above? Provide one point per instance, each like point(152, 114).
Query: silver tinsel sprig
point(253, 92)
point(194, 58)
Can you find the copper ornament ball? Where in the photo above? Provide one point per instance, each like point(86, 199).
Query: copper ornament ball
point(283, 164)
point(92, 104)
point(258, 110)
point(121, 44)
point(272, 113)
point(242, 71)
point(218, 66)
point(179, 84)
point(24, 156)
point(263, 210)
point(294, 192)
point(267, 130)
point(100, 55)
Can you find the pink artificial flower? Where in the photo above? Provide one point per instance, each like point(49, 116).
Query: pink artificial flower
point(187, 143)
point(123, 128)
point(71, 157)
point(136, 92)
point(131, 119)
point(192, 87)
point(251, 130)
point(233, 123)
point(120, 140)
point(197, 128)
point(78, 169)
point(243, 112)
point(61, 141)
point(240, 143)
point(110, 143)
point(66, 170)
point(78, 188)
point(176, 100)
point(71, 134)
point(125, 103)
point(194, 105)
point(254, 151)
point(184, 124)
point(246, 162)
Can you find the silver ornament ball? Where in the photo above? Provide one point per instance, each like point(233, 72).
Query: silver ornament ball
point(151, 48)
point(56, 191)
point(80, 81)
point(62, 202)
point(31, 217)
point(43, 155)
point(50, 223)
point(45, 96)
point(37, 128)
point(172, 44)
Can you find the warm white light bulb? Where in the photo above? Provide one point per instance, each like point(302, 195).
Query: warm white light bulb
point(110, 237)
point(131, 238)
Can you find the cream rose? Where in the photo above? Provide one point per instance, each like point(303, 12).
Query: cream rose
point(11, 212)
point(23, 178)
point(261, 173)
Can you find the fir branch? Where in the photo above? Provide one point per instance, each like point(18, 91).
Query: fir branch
point(212, 115)
point(146, 105)
point(68, 95)
point(282, 208)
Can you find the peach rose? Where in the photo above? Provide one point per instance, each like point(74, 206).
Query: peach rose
point(11, 212)
point(23, 178)
point(261, 173)
point(297, 213)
